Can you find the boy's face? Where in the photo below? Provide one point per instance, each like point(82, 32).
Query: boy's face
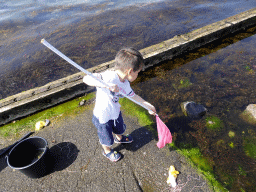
point(133, 75)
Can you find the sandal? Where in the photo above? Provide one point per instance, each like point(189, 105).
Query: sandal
point(125, 139)
point(112, 155)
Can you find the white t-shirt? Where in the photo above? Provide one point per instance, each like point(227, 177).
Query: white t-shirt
point(107, 105)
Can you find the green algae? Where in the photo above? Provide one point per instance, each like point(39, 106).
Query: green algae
point(231, 144)
point(227, 179)
point(203, 165)
point(183, 83)
point(220, 142)
point(231, 134)
point(16, 128)
point(132, 109)
point(214, 123)
point(241, 171)
point(230, 180)
point(72, 107)
point(197, 158)
point(221, 90)
point(250, 146)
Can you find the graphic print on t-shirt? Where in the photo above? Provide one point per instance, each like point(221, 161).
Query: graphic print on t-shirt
point(116, 96)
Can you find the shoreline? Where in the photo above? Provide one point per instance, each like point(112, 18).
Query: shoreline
point(37, 99)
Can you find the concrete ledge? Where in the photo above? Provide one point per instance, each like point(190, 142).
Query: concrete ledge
point(34, 100)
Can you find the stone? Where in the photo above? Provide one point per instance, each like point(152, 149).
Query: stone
point(193, 110)
point(249, 114)
point(81, 103)
point(252, 110)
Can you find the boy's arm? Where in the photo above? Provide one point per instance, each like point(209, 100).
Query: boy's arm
point(145, 103)
point(93, 82)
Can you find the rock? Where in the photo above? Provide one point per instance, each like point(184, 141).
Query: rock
point(81, 103)
point(193, 110)
point(249, 114)
point(252, 110)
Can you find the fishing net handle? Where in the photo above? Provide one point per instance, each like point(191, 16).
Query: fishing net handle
point(48, 45)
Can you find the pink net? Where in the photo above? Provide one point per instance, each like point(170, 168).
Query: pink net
point(164, 134)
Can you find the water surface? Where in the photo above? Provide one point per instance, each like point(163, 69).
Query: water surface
point(223, 80)
point(91, 32)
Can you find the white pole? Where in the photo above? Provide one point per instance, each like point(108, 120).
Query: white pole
point(43, 41)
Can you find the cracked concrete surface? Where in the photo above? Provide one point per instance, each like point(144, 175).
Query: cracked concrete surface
point(81, 166)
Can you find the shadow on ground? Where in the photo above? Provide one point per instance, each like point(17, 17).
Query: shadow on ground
point(3, 163)
point(141, 137)
point(62, 155)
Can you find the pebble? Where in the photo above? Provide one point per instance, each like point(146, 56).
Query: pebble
point(252, 109)
point(82, 102)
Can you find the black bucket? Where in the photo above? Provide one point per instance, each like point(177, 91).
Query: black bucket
point(31, 157)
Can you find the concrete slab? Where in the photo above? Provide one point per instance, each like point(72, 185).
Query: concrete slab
point(81, 166)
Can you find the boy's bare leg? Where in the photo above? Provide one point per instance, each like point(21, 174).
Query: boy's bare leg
point(106, 149)
point(119, 137)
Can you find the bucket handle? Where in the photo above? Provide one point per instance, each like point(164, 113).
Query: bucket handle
point(11, 146)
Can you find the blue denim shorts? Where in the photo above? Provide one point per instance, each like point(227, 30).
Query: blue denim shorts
point(106, 130)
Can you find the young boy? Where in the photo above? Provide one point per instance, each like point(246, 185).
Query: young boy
point(107, 117)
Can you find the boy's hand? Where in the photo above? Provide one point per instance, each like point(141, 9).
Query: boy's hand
point(113, 87)
point(152, 110)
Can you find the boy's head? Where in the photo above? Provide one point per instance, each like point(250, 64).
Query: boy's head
point(129, 58)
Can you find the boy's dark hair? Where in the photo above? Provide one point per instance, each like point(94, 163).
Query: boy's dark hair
point(129, 58)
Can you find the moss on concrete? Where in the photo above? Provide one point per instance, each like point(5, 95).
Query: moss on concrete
point(194, 156)
point(17, 128)
point(203, 165)
point(132, 109)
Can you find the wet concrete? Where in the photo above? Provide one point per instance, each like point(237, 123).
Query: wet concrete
point(81, 166)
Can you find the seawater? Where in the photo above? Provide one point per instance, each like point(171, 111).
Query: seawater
point(18, 10)
point(91, 32)
point(220, 76)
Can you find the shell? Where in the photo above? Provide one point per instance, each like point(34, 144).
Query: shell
point(41, 124)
